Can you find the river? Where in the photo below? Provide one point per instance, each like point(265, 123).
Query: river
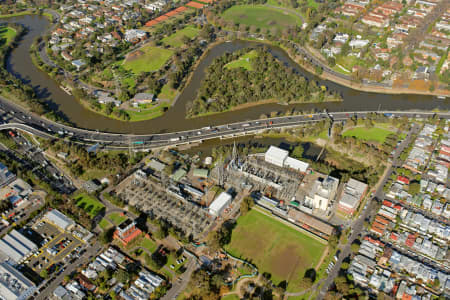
point(19, 63)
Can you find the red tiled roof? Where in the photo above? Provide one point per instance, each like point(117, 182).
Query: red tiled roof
point(403, 179)
point(195, 4)
point(387, 203)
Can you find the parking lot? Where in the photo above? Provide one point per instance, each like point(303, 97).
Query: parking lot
point(57, 248)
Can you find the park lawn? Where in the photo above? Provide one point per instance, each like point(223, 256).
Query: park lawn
point(147, 114)
point(230, 297)
point(91, 205)
point(373, 134)
point(7, 34)
point(261, 16)
point(274, 247)
point(104, 224)
point(151, 59)
point(176, 40)
point(245, 61)
point(116, 218)
point(149, 244)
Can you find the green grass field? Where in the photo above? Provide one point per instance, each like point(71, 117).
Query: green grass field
point(116, 218)
point(149, 244)
point(176, 40)
point(230, 297)
point(261, 17)
point(7, 34)
point(104, 224)
point(275, 248)
point(91, 205)
point(151, 59)
point(243, 62)
point(373, 134)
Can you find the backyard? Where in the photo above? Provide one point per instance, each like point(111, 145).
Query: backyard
point(147, 59)
point(261, 16)
point(275, 248)
point(89, 204)
point(176, 40)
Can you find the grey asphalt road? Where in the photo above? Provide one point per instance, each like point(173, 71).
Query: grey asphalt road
point(180, 284)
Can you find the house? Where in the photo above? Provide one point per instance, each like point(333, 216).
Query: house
point(66, 56)
point(142, 98)
point(421, 73)
point(358, 43)
point(79, 63)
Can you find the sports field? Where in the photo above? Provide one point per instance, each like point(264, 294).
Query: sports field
point(261, 16)
point(147, 59)
point(275, 248)
point(89, 204)
point(176, 40)
point(245, 61)
point(373, 134)
point(7, 34)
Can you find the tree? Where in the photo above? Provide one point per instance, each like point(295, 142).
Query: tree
point(414, 188)
point(355, 247)
point(107, 236)
point(298, 151)
point(44, 273)
point(246, 204)
point(123, 276)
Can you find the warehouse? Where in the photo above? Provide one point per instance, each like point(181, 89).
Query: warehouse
point(296, 164)
point(17, 247)
point(58, 219)
point(276, 156)
point(219, 204)
point(13, 285)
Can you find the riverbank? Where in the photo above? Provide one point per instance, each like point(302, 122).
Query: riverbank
point(258, 103)
point(26, 13)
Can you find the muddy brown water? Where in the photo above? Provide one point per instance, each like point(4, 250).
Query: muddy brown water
point(19, 63)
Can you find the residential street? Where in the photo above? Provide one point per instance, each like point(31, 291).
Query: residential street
point(358, 225)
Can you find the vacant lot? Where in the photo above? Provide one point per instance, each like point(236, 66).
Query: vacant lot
point(91, 205)
point(176, 39)
point(275, 248)
point(7, 34)
point(373, 134)
point(147, 59)
point(245, 61)
point(260, 16)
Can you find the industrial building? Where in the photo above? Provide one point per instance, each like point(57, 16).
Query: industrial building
point(17, 247)
point(280, 158)
point(126, 231)
point(310, 223)
point(353, 193)
point(219, 204)
point(58, 219)
point(322, 193)
point(13, 284)
point(6, 176)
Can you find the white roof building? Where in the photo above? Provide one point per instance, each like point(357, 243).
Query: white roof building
point(219, 204)
point(276, 156)
point(58, 219)
point(296, 164)
point(13, 284)
point(16, 246)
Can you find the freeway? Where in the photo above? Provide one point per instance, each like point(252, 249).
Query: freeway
point(15, 117)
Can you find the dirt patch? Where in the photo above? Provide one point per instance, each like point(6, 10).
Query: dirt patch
point(285, 262)
point(134, 55)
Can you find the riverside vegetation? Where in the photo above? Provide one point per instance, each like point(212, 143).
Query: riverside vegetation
point(262, 78)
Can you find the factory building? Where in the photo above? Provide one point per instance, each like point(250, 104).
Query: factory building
point(16, 247)
point(58, 219)
point(219, 204)
point(353, 193)
point(13, 284)
point(280, 158)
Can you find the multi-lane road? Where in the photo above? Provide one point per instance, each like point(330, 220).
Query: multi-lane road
point(14, 117)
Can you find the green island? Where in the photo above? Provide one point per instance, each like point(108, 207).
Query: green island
point(250, 77)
